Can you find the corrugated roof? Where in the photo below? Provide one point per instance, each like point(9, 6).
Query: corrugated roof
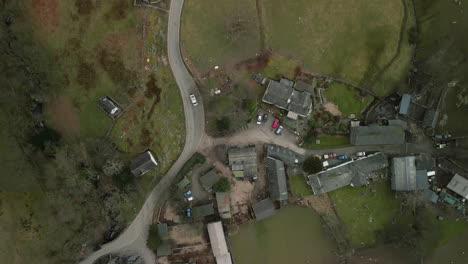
point(405, 104)
point(144, 163)
point(276, 179)
point(243, 159)
point(224, 204)
point(218, 243)
point(263, 209)
point(393, 134)
point(203, 210)
point(404, 173)
point(459, 185)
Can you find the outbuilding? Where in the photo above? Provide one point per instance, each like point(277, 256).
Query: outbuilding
point(144, 163)
point(459, 185)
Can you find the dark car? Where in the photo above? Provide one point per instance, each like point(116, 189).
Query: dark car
point(265, 117)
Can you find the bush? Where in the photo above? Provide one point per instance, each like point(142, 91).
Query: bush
point(195, 160)
point(312, 165)
point(154, 240)
point(223, 185)
point(223, 124)
point(122, 179)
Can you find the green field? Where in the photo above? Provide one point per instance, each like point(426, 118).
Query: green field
point(347, 99)
point(55, 193)
point(327, 141)
point(299, 186)
point(219, 33)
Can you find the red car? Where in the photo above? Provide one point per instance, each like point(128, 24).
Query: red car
point(275, 123)
point(332, 155)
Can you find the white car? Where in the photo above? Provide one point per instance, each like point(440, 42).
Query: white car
point(279, 130)
point(193, 99)
point(361, 154)
point(189, 199)
point(259, 119)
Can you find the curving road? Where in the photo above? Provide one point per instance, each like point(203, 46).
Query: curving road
point(133, 239)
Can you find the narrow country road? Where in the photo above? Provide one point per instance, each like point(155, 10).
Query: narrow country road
point(133, 239)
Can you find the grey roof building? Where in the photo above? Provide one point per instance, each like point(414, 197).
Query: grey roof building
point(263, 209)
point(405, 104)
point(276, 179)
point(183, 183)
point(354, 173)
point(459, 185)
point(209, 179)
point(218, 243)
point(144, 163)
point(259, 78)
point(164, 248)
point(430, 118)
point(243, 161)
point(284, 96)
point(393, 134)
point(224, 204)
point(203, 210)
point(110, 106)
point(288, 156)
point(405, 176)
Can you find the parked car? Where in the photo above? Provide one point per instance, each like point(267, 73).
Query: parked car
point(259, 119)
point(188, 212)
point(325, 164)
point(187, 193)
point(342, 157)
point(189, 199)
point(265, 117)
point(193, 99)
point(279, 130)
point(332, 155)
point(275, 123)
point(440, 145)
point(361, 154)
point(325, 156)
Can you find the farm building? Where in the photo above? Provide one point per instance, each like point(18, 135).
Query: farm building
point(284, 96)
point(218, 243)
point(263, 209)
point(276, 179)
point(224, 205)
point(459, 185)
point(405, 104)
point(144, 163)
point(391, 134)
point(109, 106)
point(405, 176)
point(289, 157)
point(203, 210)
point(354, 173)
point(209, 179)
point(243, 161)
point(430, 118)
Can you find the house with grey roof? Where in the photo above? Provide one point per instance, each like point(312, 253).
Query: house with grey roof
point(276, 179)
point(243, 161)
point(259, 78)
point(405, 104)
point(284, 96)
point(108, 105)
point(203, 210)
point(459, 185)
point(224, 204)
point(405, 176)
point(209, 179)
point(263, 209)
point(353, 173)
point(374, 134)
point(144, 163)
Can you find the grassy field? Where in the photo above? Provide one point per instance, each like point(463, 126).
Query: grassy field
point(215, 33)
point(75, 52)
point(347, 99)
point(323, 34)
point(327, 141)
point(299, 186)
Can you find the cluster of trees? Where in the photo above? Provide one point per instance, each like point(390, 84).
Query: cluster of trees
point(223, 185)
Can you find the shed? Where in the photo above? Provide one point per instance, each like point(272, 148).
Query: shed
point(224, 204)
point(459, 185)
point(431, 196)
point(183, 183)
point(109, 106)
point(203, 210)
point(276, 179)
point(263, 209)
point(405, 176)
point(218, 243)
point(259, 78)
point(144, 163)
point(243, 161)
point(430, 118)
point(165, 248)
point(209, 179)
point(405, 104)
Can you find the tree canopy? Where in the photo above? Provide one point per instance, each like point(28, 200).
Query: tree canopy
point(223, 185)
point(312, 165)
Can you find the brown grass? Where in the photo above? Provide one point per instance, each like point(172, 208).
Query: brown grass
point(45, 14)
point(64, 116)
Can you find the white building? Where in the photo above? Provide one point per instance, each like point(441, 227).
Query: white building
point(218, 243)
point(459, 185)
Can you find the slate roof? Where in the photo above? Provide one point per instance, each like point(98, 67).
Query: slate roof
point(354, 173)
point(243, 161)
point(285, 97)
point(430, 118)
point(144, 163)
point(288, 156)
point(218, 243)
point(303, 87)
point(393, 134)
point(263, 209)
point(259, 78)
point(224, 204)
point(276, 179)
point(109, 106)
point(405, 104)
point(209, 179)
point(459, 185)
point(203, 210)
point(405, 177)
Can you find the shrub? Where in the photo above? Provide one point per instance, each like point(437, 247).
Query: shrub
point(122, 179)
point(223, 124)
point(154, 240)
point(223, 185)
point(312, 165)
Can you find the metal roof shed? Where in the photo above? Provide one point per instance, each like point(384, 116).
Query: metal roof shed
point(144, 163)
point(218, 243)
point(459, 185)
point(263, 209)
point(224, 204)
point(405, 104)
point(276, 179)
